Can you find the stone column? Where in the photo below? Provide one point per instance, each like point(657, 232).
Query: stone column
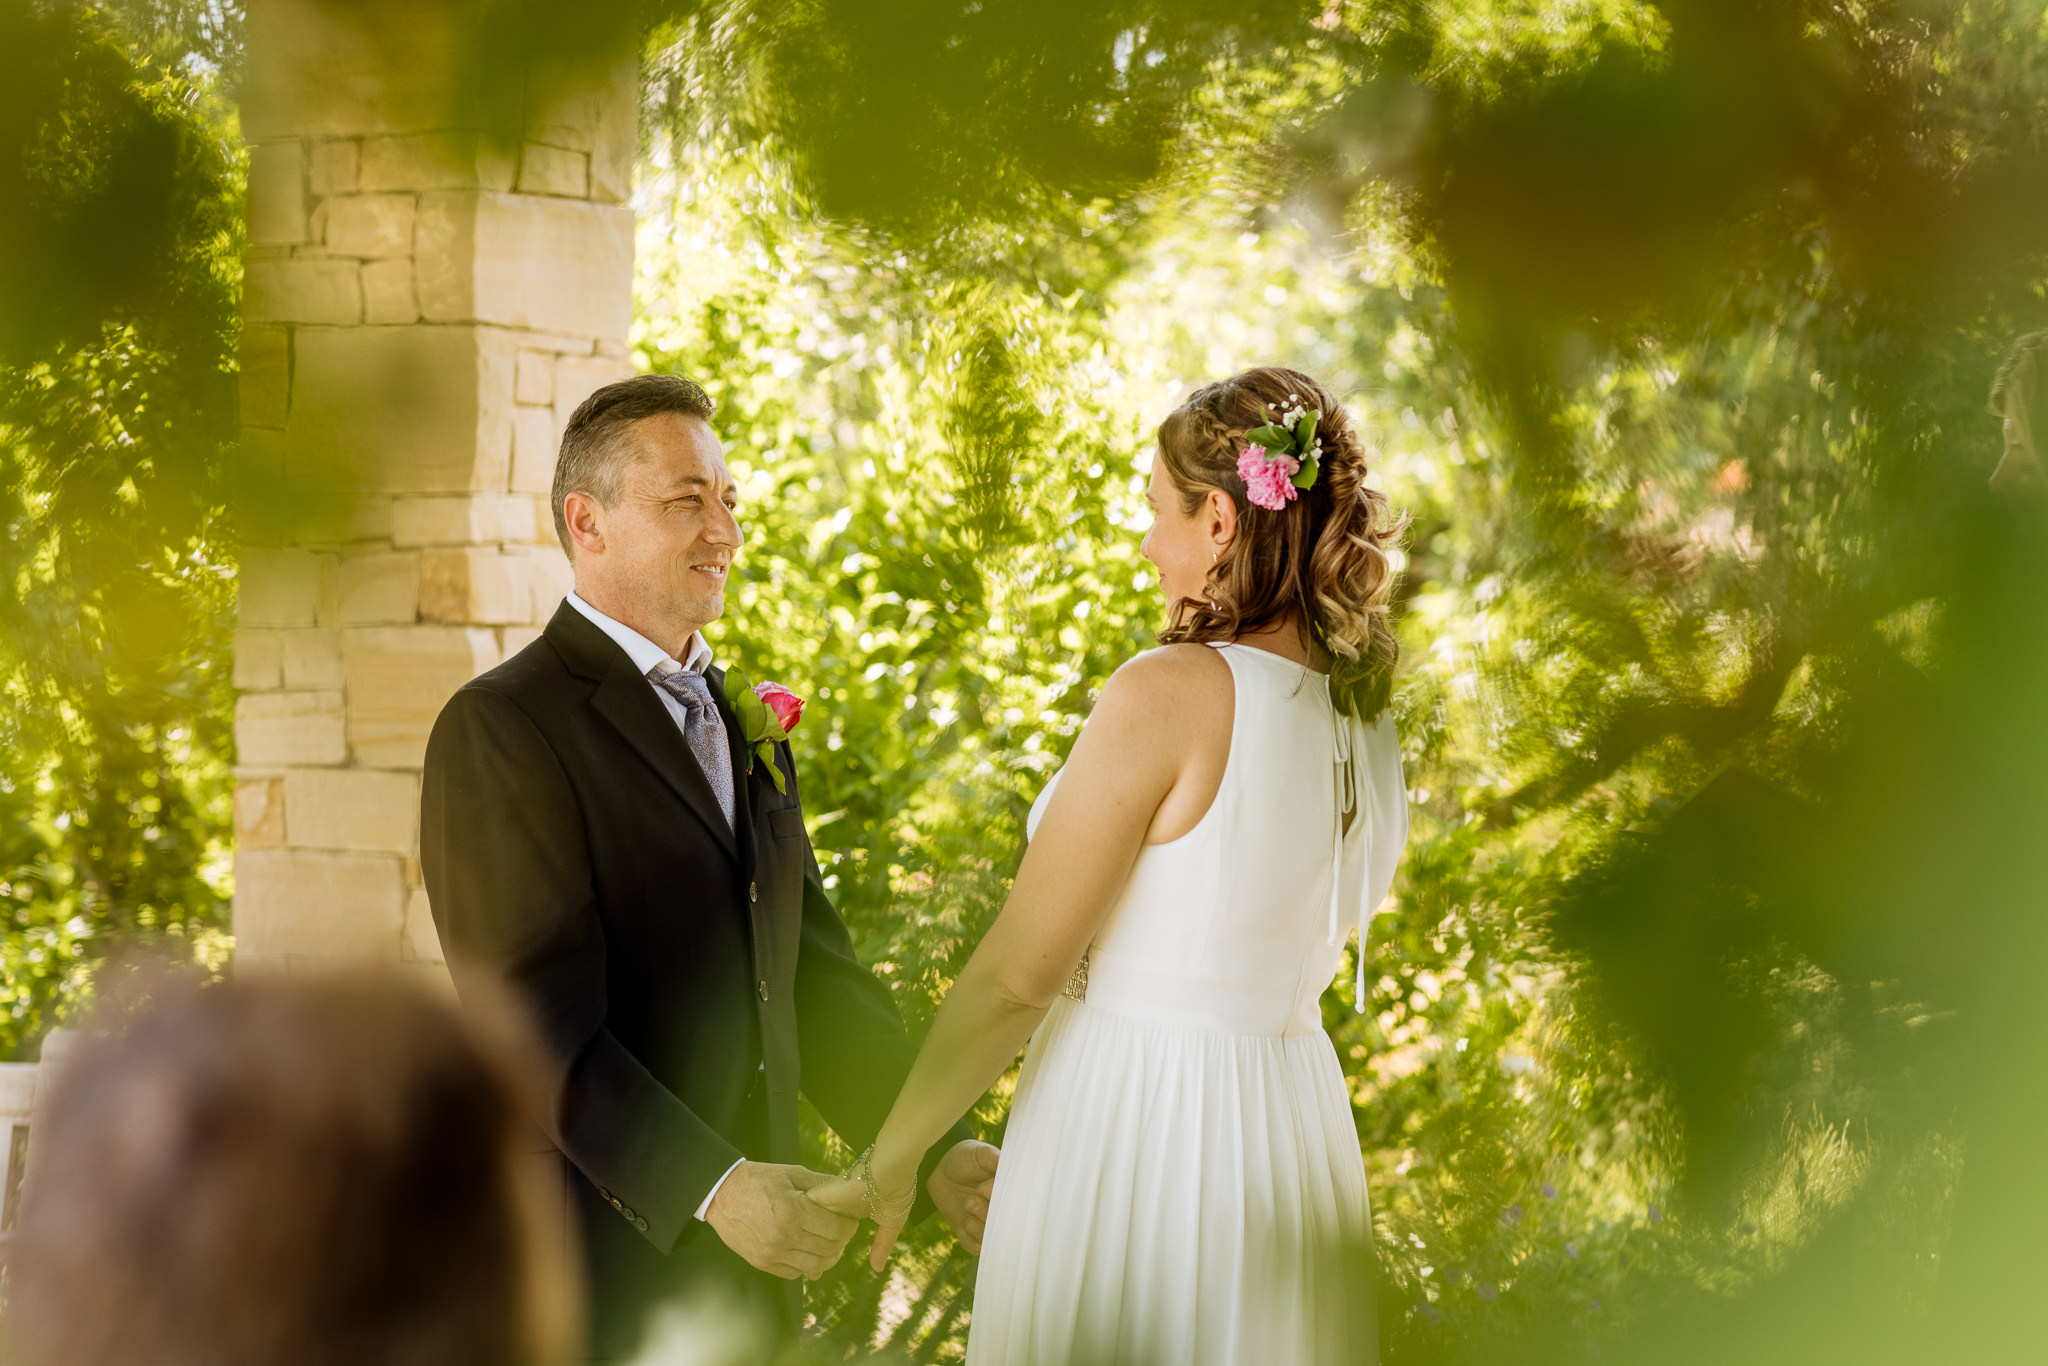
point(423, 307)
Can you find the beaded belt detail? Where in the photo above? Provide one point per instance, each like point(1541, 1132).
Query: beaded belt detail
point(1077, 985)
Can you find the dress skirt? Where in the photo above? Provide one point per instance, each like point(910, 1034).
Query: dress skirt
point(1171, 1193)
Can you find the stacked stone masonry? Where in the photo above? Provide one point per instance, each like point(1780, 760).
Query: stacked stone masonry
point(424, 305)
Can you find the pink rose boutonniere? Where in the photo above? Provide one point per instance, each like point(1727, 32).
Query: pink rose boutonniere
point(767, 713)
point(787, 706)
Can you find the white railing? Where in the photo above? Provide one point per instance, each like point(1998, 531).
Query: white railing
point(25, 1089)
point(17, 1105)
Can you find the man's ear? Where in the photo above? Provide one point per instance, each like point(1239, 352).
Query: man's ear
point(585, 516)
point(1219, 511)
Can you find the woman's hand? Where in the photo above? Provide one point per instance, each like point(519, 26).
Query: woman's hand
point(841, 1195)
point(895, 1191)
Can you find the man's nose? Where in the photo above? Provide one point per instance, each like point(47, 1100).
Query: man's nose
point(725, 528)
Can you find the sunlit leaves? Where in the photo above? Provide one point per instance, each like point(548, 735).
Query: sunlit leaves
point(116, 421)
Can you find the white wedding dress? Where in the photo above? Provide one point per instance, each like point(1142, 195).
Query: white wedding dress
point(1181, 1177)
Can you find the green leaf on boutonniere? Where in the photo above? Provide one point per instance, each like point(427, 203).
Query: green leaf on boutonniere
point(1273, 437)
point(1305, 477)
point(757, 723)
point(766, 750)
point(735, 687)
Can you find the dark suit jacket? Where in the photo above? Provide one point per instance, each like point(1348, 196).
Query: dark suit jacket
point(687, 979)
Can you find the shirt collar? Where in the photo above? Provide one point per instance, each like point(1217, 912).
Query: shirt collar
point(650, 659)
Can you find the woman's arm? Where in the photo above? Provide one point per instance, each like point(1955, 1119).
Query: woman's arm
point(1156, 714)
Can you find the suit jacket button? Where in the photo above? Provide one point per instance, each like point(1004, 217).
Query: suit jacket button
point(764, 988)
point(603, 1193)
point(753, 891)
point(640, 1224)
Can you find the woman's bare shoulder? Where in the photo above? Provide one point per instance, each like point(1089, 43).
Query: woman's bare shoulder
point(1171, 686)
point(1169, 663)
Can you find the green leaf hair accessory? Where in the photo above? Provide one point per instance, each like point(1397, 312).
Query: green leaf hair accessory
point(1282, 457)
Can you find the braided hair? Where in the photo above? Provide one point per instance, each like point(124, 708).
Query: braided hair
point(1324, 556)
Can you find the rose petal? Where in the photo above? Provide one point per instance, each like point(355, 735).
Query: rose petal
point(787, 706)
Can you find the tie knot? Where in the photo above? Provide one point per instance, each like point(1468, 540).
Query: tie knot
point(688, 688)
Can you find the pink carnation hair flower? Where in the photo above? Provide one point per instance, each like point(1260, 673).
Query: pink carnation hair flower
point(1268, 480)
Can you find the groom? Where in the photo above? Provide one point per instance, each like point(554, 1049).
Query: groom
point(596, 829)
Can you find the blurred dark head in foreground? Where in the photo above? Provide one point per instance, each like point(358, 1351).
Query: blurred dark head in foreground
point(308, 1171)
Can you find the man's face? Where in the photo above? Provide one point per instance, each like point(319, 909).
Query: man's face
point(670, 540)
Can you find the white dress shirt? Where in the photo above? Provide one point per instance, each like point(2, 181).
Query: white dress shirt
point(654, 662)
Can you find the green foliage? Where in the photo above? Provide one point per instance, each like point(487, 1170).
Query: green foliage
point(120, 214)
point(1677, 325)
point(1702, 1024)
point(940, 495)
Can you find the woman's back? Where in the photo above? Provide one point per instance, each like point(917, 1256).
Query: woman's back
point(1229, 926)
point(1181, 1177)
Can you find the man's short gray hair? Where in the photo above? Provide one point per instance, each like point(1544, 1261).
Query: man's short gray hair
point(595, 451)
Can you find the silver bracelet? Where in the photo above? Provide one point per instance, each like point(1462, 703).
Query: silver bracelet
point(863, 1171)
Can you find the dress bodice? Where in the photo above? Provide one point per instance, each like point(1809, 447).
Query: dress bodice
point(1236, 926)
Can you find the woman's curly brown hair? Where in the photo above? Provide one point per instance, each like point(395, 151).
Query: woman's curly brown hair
point(1324, 556)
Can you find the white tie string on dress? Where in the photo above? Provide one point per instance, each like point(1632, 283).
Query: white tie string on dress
point(1347, 792)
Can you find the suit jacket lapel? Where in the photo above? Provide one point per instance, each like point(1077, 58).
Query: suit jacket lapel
point(742, 782)
point(628, 702)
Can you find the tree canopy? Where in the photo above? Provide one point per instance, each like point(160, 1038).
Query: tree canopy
point(120, 232)
point(1704, 1019)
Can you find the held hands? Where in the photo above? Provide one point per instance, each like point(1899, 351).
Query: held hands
point(763, 1213)
point(960, 1187)
point(886, 1196)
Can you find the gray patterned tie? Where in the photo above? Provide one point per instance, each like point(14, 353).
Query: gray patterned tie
point(703, 732)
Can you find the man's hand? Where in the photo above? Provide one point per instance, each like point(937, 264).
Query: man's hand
point(762, 1213)
point(960, 1187)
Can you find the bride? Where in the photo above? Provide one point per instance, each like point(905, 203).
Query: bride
point(1181, 1179)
